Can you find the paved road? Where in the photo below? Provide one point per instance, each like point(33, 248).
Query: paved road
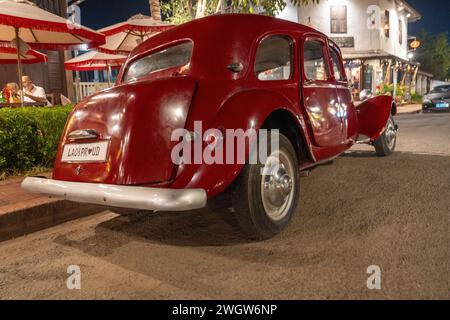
point(362, 210)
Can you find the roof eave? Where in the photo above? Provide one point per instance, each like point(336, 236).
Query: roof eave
point(415, 15)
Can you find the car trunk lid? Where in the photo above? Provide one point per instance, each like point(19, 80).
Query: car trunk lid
point(136, 121)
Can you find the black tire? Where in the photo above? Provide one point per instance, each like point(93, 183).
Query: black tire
point(247, 198)
point(386, 142)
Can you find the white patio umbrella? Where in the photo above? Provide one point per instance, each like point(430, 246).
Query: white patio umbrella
point(123, 37)
point(94, 60)
point(22, 20)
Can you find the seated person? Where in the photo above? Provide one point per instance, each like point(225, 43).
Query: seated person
point(32, 93)
point(13, 92)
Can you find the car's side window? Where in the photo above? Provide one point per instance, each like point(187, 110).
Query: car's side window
point(314, 63)
point(274, 58)
point(337, 69)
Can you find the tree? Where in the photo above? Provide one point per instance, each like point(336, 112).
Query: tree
point(179, 11)
point(155, 9)
point(434, 54)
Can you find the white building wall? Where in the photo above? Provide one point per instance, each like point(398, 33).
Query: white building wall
point(391, 44)
point(290, 12)
point(318, 17)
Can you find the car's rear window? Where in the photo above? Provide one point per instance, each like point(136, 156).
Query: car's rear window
point(176, 56)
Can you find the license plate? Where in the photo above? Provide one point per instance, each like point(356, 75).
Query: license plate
point(442, 105)
point(85, 152)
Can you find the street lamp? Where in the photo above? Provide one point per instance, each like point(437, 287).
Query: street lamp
point(410, 55)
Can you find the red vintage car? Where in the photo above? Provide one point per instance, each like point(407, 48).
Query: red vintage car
point(228, 72)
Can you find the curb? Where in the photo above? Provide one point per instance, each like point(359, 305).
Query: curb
point(409, 112)
point(23, 221)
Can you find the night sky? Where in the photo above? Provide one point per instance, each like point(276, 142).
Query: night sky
point(101, 13)
point(435, 16)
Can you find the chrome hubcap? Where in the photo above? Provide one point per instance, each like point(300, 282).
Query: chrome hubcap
point(390, 134)
point(277, 186)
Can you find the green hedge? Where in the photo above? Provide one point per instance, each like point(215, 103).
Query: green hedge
point(29, 137)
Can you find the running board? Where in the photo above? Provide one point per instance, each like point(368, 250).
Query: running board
point(363, 139)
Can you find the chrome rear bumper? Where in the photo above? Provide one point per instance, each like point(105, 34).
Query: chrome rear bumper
point(157, 199)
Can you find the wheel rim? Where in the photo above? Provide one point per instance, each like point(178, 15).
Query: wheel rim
point(390, 134)
point(278, 185)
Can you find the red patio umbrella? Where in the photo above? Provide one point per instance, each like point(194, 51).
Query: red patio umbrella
point(22, 20)
point(9, 56)
point(123, 37)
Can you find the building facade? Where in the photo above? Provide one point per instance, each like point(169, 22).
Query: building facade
point(52, 75)
point(373, 37)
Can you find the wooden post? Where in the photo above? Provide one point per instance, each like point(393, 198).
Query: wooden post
point(109, 74)
point(413, 80)
point(19, 66)
point(77, 86)
point(387, 78)
point(361, 75)
point(402, 83)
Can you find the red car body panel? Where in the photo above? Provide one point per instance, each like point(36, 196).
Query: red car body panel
point(138, 117)
point(373, 115)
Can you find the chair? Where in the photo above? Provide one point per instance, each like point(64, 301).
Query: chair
point(64, 100)
point(51, 97)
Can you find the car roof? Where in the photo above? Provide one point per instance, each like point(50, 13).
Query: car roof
point(220, 40)
point(225, 28)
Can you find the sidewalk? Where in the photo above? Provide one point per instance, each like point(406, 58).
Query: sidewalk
point(22, 212)
point(14, 198)
point(409, 109)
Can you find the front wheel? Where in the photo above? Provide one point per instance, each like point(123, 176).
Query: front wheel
point(265, 195)
point(386, 142)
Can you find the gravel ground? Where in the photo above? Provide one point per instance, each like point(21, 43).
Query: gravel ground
point(361, 210)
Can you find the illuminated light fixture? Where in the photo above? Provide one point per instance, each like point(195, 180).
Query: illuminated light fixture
point(401, 8)
point(408, 15)
point(386, 27)
point(410, 55)
point(415, 44)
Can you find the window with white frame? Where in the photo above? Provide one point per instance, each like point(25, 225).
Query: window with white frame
point(338, 18)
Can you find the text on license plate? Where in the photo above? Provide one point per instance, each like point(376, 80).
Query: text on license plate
point(442, 105)
point(85, 152)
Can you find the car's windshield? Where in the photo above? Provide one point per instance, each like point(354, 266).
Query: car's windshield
point(440, 89)
point(172, 57)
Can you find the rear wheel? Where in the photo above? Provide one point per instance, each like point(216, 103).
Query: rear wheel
point(386, 142)
point(265, 204)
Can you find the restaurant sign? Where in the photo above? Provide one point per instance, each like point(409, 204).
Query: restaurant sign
point(344, 42)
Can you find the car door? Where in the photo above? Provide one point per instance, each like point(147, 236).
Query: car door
point(346, 109)
point(319, 93)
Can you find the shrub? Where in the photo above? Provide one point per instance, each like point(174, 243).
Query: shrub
point(416, 98)
point(400, 91)
point(29, 137)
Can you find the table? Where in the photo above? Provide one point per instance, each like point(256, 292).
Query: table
point(25, 104)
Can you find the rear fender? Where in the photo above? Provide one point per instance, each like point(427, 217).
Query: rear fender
point(373, 115)
point(244, 110)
